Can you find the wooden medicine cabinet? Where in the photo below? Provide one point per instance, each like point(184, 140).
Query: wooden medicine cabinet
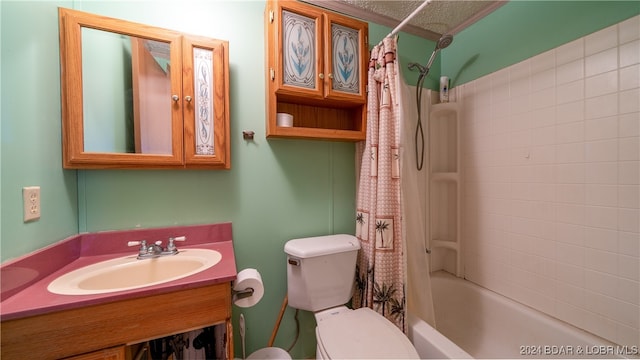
point(138, 96)
point(316, 71)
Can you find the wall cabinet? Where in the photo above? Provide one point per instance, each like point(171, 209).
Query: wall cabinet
point(138, 96)
point(316, 71)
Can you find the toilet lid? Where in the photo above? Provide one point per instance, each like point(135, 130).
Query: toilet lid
point(363, 333)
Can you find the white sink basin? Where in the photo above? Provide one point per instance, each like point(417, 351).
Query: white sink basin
point(127, 273)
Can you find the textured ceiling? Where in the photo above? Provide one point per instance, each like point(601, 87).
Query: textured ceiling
point(437, 18)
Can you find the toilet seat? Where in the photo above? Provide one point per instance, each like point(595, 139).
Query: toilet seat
point(361, 334)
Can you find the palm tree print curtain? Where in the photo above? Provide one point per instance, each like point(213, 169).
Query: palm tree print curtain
point(380, 274)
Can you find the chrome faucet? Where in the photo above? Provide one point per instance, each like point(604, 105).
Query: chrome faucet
point(156, 250)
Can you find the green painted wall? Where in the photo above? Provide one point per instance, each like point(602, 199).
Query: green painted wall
point(276, 189)
point(411, 48)
point(31, 133)
point(523, 28)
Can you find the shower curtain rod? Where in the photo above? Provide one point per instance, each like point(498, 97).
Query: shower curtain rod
point(408, 18)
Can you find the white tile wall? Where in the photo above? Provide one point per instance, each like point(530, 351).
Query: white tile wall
point(551, 182)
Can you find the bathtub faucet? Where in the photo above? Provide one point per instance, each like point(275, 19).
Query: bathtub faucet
point(156, 250)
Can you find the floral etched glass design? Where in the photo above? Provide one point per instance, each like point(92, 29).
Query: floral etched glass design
point(203, 91)
point(299, 51)
point(345, 59)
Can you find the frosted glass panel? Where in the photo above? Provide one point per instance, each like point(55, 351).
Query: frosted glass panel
point(345, 59)
point(203, 86)
point(299, 37)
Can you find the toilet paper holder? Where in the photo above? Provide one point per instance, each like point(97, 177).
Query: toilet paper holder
point(247, 289)
point(241, 294)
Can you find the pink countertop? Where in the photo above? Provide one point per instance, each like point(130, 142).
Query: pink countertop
point(24, 280)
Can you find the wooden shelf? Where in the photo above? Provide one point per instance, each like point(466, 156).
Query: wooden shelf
point(315, 122)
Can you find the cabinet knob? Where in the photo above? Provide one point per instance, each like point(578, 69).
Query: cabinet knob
point(175, 98)
point(330, 76)
point(321, 76)
point(188, 98)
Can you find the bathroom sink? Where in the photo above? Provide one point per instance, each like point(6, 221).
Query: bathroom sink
point(127, 273)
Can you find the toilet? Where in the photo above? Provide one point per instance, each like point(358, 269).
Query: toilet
point(320, 278)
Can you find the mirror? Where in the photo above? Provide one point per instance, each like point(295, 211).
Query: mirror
point(126, 85)
point(137, 96)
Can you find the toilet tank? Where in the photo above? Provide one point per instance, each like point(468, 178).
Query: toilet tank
point(321, 271)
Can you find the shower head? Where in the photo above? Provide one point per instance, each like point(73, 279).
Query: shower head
point(444, 41)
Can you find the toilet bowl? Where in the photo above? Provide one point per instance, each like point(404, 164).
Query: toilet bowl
point(343, 333)
point(270, 353)
point(320, 278)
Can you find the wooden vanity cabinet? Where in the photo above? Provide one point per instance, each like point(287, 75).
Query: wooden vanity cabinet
point(102, 331)
point(316, 71)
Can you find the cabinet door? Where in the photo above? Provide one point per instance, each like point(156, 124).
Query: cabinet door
point(206, 102)
point(297, 59)
point(116, 353)
point(112, 109)
point(345, 58)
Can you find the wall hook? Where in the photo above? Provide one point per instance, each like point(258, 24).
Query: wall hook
point(247, 134)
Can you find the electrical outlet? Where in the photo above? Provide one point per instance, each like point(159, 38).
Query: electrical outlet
point(31, 199)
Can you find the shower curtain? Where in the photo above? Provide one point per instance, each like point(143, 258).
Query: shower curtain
point(381, 273)
point(415, 197)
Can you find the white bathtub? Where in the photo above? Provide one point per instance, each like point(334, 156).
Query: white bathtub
point(475, 322)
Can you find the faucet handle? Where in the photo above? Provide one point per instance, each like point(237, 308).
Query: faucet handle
point(143, 246)
point(171, 246)
point(136, 243)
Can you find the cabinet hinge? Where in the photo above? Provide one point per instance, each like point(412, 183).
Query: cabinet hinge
point(271, 16)
point(272, 74)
